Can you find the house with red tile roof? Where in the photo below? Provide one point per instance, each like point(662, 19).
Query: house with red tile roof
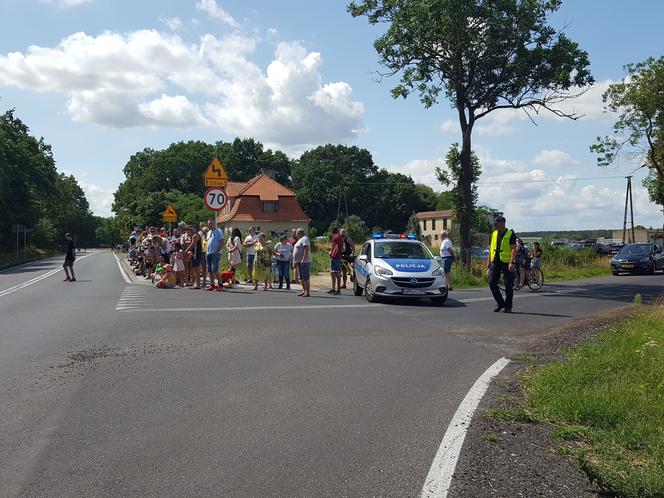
point(264, 204)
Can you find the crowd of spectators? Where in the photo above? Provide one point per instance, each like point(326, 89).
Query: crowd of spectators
point(190, 256)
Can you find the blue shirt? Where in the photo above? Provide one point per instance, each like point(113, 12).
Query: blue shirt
point(215, 239)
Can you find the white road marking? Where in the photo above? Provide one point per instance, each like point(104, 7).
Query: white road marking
point(259, 308)
point(36, 279)
point(442, 469)
point(122, 271)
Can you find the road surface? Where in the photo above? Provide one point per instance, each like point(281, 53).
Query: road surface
point(111, 389)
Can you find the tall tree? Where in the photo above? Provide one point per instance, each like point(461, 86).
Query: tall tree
point(332, 179)
point(482, 55)
point(639, 129)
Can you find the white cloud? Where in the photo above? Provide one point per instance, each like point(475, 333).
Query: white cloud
point(173, 23)
point(589, 104)
point(214, 11)
point(537, 199)
point(498, 123)
point(172, 111)
point(148, 78)
point(287, 105)
point(421, 171)
point(67, 3)
point(273, 32)
point(450, 126)
point(554, 157)
point(99, 198)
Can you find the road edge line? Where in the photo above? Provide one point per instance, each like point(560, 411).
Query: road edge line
point(439, 478)
point(122, 271)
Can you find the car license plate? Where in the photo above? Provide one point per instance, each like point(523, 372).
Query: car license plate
point(414, 292)
point(628, 266)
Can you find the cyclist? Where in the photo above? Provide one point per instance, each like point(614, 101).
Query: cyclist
point(536, 256)
point(347, 254)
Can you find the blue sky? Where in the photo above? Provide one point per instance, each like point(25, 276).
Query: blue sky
point(102, 79)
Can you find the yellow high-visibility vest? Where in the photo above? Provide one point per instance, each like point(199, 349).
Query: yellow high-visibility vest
point(505, 248)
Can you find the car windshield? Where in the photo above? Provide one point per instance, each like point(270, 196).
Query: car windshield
point(635, 250)
point(400, 250)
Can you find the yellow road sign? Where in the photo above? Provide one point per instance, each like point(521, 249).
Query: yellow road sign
point(170, 215)
point(215, 176)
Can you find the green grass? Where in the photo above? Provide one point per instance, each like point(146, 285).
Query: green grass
point(8, 259)
point(609, 397)
point(559, 269)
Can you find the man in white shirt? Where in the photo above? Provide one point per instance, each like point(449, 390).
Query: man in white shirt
point(447, 254)
point(249, 242)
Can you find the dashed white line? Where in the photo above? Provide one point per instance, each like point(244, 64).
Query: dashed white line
point(442, 469)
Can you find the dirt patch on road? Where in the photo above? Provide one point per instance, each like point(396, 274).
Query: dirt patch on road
point(506, 453)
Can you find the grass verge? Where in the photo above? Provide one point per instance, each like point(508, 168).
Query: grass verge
point(608, 398)
point(554, 271)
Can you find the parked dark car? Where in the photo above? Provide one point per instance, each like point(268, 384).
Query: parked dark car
point(638, 258)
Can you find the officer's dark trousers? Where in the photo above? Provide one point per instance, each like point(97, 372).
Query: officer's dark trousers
point(494, 277)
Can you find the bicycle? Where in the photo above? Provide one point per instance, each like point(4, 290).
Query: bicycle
point(534, 279)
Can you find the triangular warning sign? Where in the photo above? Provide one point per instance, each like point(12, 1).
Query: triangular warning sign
point(216, 175)
point(170, 214)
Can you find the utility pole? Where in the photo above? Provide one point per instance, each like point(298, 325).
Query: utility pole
point(628, 201)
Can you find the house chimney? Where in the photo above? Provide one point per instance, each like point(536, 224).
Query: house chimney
point(270, 173)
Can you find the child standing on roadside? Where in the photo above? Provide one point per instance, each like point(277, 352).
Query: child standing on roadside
point(177, 260)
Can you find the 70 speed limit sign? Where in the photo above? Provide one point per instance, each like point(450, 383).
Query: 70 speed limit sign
point(215, 198)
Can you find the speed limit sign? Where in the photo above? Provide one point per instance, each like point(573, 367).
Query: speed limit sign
point(215, 198)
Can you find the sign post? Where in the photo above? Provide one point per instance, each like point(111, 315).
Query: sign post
point(215, 197)
point(169, 215)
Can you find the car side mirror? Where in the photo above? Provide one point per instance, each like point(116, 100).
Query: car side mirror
point(362, 257)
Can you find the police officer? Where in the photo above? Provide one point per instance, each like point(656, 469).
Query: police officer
point(502, 260)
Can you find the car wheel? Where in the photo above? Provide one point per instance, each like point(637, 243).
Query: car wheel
point(357, 290)
point(369, 292)
point(615, 273)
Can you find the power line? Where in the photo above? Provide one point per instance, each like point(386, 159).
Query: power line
point(497, 182)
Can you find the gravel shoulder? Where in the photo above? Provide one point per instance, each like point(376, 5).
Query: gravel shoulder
point(512, 458)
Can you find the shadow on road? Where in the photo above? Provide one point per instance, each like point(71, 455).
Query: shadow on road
point(540, 314)
point(621, 290)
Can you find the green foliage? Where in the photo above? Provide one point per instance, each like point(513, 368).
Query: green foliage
point(610, 395)
point(109, 232)
point(334, 180)
point(150, 174)
point(32, 193)
point(639, 102)
point(356, 228)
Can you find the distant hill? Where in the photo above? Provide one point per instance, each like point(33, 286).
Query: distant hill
point(569, 234)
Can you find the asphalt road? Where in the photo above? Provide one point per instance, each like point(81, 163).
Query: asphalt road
point(109, 389)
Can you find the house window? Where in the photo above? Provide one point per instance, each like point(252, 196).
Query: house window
point(433, 224)
point(269, 206)
point(444, 223)
point(425, 225)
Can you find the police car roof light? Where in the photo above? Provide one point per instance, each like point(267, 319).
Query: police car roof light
point(412, 236)
point(376, 235)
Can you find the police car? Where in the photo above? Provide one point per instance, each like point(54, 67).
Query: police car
point(398, 266)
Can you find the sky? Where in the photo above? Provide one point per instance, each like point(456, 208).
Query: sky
point(103, 79)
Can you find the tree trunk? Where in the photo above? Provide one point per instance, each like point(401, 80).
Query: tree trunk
point(466, 183)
